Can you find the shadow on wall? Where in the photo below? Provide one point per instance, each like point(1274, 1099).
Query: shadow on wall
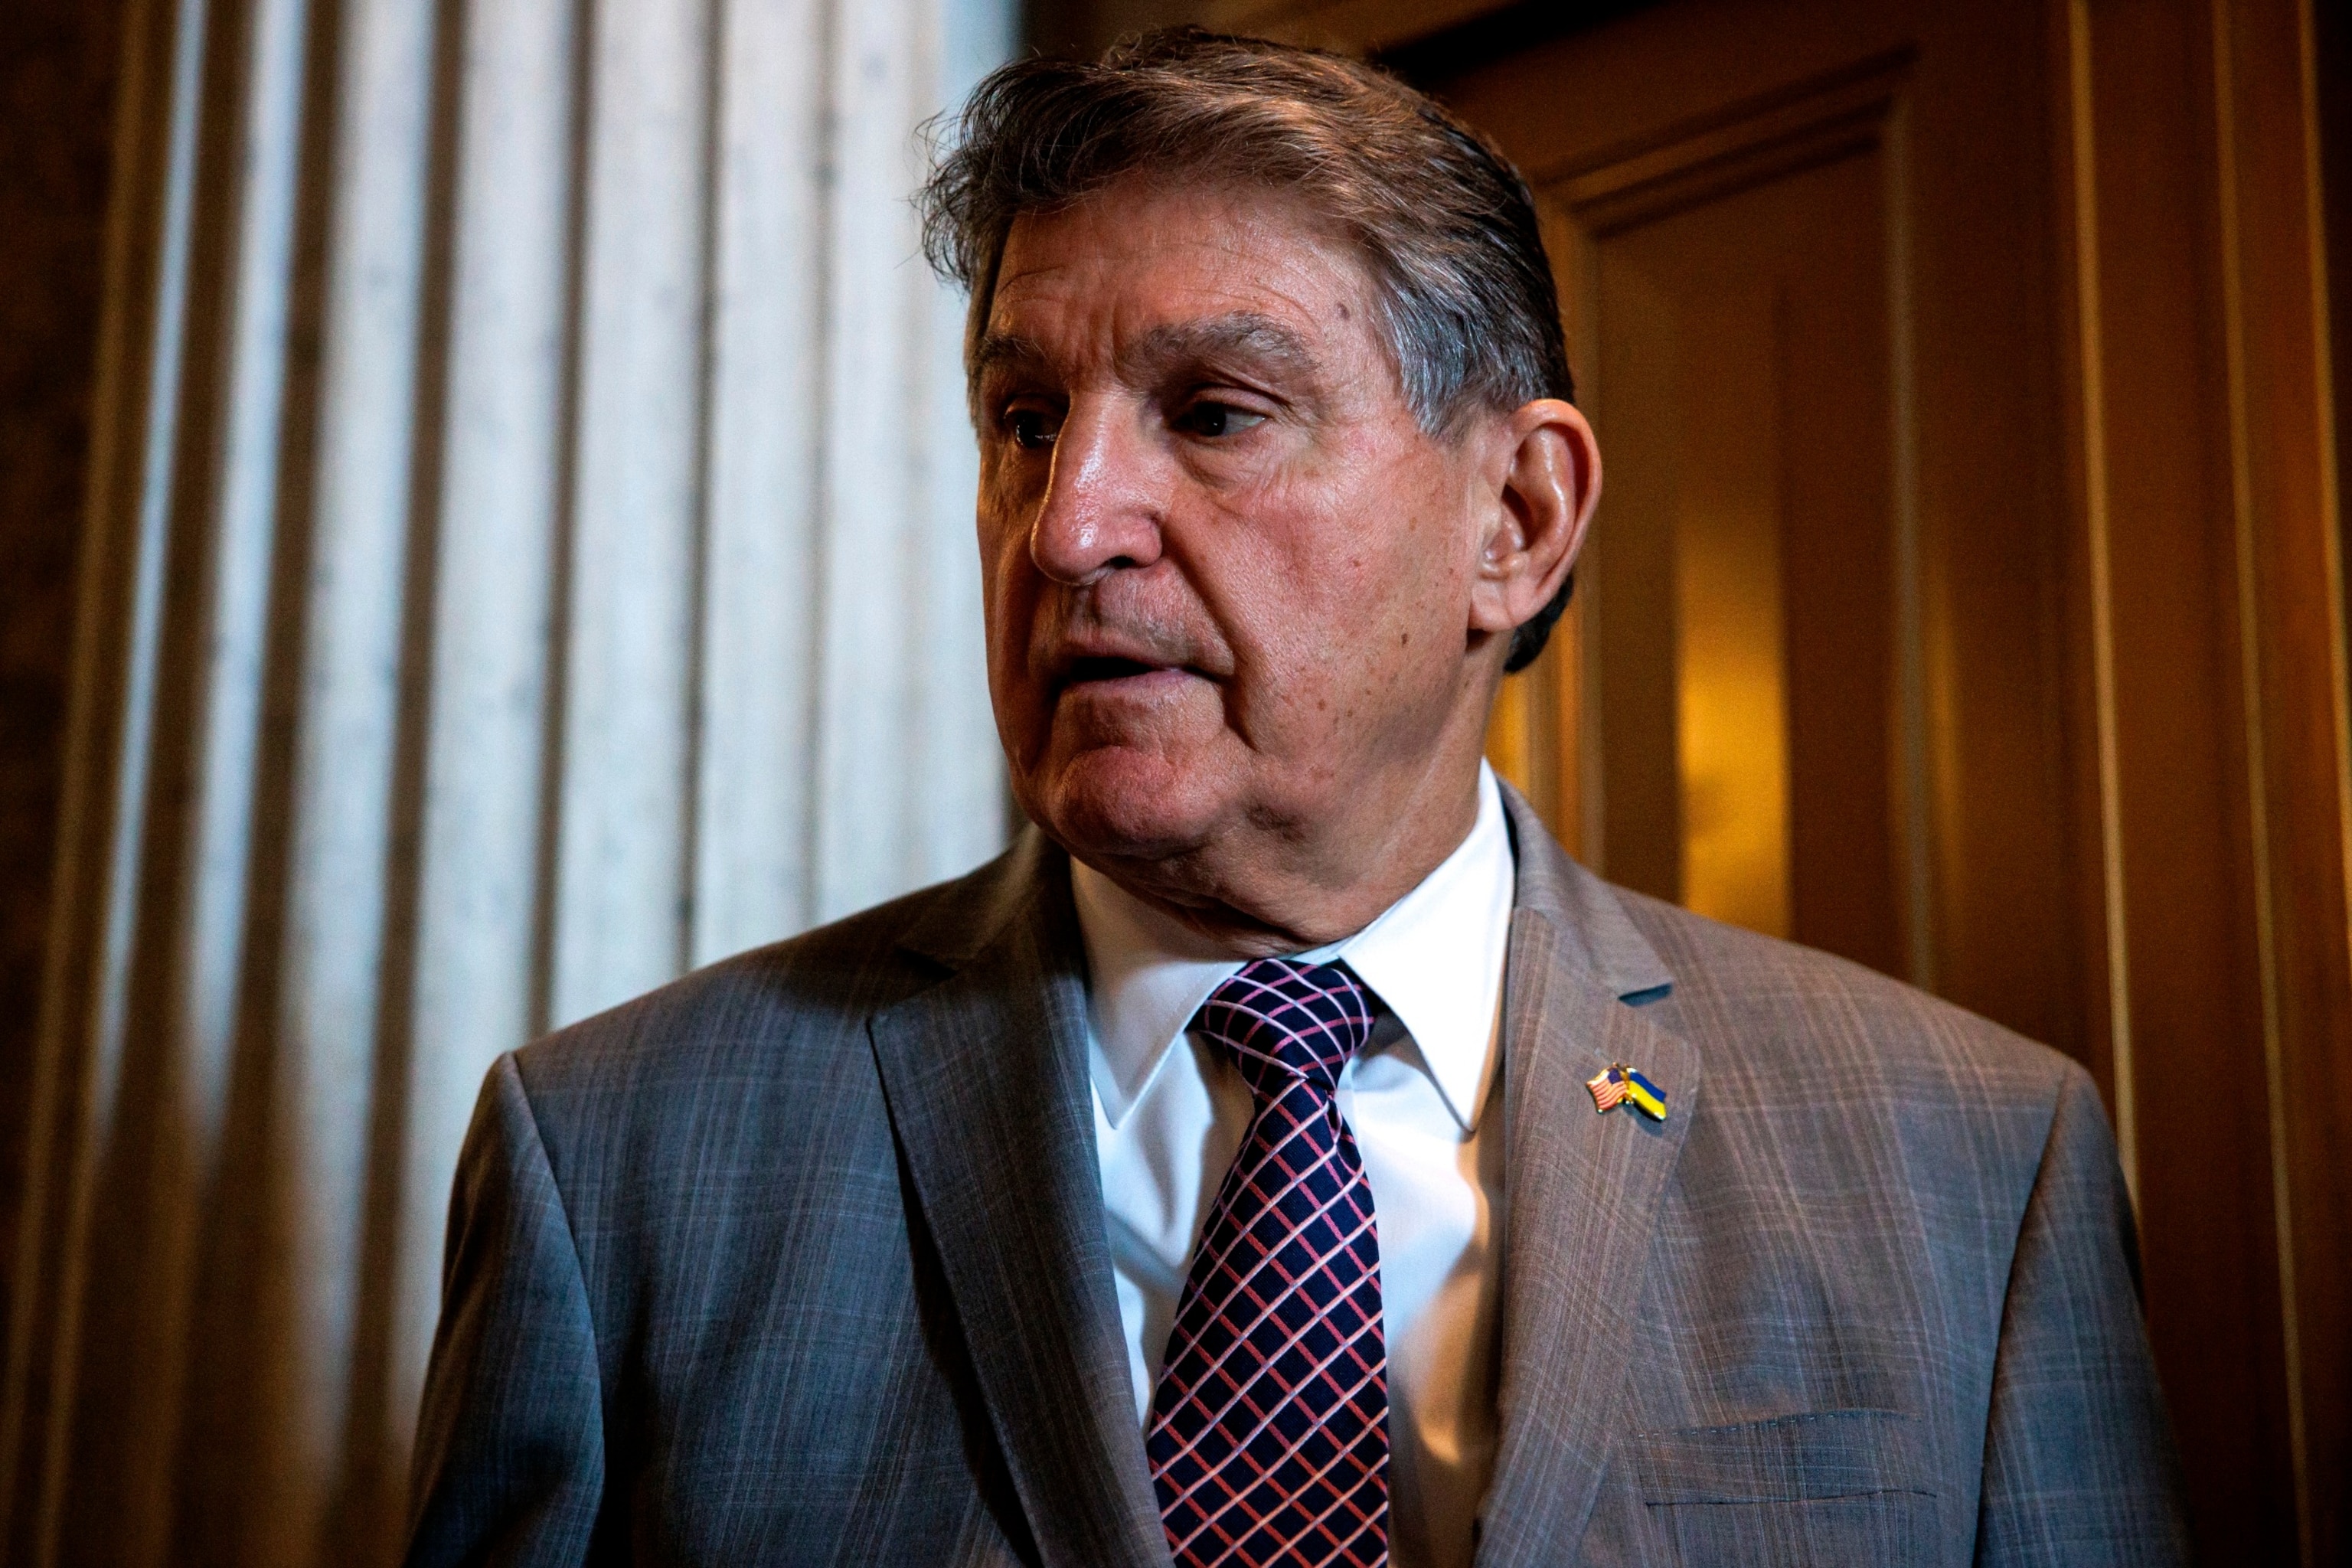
point(58, 71)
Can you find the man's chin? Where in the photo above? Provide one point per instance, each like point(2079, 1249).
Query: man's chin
point(1118, 803)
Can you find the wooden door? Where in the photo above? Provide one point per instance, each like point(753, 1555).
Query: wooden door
point(1945, 610)
point(1820, 689)
point(1744, 599)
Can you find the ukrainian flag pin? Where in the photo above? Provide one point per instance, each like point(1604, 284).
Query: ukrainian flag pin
point(1622, 1084)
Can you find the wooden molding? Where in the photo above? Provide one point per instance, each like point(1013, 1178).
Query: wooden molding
point(1351, 27)
point(1705, 159)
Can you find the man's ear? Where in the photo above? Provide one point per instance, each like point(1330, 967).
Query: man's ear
point(1545, 473)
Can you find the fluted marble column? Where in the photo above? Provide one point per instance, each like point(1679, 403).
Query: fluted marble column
point(527, 555)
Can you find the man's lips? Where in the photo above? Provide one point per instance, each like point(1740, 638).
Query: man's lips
point(1116, 675)
point(1111, 667)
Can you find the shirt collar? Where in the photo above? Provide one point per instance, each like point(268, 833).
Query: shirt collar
point(1434, 957)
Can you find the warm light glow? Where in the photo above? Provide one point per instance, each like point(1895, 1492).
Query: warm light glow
point(1731, 689)
point(1508, 743)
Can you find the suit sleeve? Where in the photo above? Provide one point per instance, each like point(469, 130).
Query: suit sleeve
point(2079, 1465)
point(509, 1465)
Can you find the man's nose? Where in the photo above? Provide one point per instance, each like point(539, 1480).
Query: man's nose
point(1101, 509)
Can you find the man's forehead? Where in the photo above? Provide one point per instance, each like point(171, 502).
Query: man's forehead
point(1165, 269)
point(1152, 218)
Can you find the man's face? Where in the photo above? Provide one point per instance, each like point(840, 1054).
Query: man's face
point(1228, 575)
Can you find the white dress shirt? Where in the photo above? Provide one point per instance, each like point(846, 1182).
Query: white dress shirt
point(1167, 1123)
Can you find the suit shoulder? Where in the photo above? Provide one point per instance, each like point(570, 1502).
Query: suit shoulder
point(1770, 1009)
point(761, 1010)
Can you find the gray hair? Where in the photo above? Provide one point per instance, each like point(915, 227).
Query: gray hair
point(1463, 293)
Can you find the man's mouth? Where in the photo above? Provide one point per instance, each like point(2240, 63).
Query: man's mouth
point(1106, 667)
point(1121, 679)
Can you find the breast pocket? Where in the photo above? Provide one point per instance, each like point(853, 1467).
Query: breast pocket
point(1831, 1487)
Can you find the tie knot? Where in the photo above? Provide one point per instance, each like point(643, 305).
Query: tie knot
point(1284, 1020)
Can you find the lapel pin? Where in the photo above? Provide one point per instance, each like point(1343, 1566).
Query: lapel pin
point(1622, 1084)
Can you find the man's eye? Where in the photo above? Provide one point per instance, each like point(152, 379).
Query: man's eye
point(1033, 429)
point(1213, 419)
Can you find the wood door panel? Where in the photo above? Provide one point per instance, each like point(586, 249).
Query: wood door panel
point(1744, 597)
point(1926, 680)
point(2185, 879)
point(1851, 779)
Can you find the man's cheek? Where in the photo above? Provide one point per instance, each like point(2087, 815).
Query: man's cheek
point(1003, 542)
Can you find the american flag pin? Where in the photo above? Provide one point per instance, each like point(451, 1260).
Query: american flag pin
point(1621, 1085)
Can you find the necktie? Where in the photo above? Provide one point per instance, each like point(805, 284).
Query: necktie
point(1269, 1430)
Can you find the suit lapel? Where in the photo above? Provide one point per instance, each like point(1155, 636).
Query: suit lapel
point(985, 1075)
point(1582, 1190)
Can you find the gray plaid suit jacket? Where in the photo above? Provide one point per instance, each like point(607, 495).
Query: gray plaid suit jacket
point(802, 1259)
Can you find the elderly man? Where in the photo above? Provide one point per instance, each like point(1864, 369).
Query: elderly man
point(1284, 1154)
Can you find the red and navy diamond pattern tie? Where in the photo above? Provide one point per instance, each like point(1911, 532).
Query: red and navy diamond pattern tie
point(1269, 1432)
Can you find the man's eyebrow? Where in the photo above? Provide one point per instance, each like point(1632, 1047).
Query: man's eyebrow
point(1243, 334)
point(998, 348)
